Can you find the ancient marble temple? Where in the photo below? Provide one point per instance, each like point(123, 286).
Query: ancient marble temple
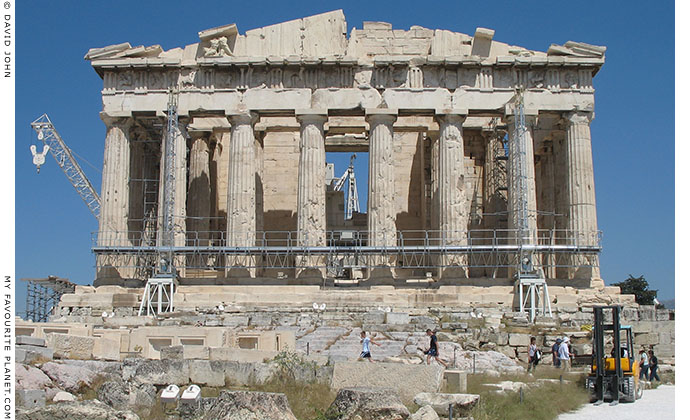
point(433, 112)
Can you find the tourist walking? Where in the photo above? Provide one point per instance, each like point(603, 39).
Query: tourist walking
point(554, 353)
point(432, 351)
point(644, 365)
point(653, 366)
point(564, 354)
point(532, 354)
point(366, 341)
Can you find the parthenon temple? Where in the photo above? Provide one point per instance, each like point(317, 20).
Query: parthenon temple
point(259, 115)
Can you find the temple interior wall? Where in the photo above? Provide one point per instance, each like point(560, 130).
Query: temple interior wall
point(281, 164)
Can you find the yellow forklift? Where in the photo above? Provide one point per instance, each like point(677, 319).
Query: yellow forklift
point(619, 379)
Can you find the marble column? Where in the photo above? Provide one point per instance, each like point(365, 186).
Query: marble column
point(241, 207)
point(311, 190)
point(381, 195)
point(381, 198)
point(219, 185)
point(544, 172)
point(199, 197)
point(112, 228)
point(582, 214)
point(530, 236)
point(453, 204)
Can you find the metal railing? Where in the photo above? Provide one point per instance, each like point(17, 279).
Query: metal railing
point(411, 249)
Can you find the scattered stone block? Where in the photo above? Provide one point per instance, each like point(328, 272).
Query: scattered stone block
point(456, 380)
point(31, 398)
point(425, 413)
point(66, 346)
point(462, 403)
point(407, 380)
point(30, 341)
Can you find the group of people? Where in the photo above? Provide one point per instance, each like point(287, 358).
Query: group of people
point(431, 351)
point(649, 365)
point(560, 352)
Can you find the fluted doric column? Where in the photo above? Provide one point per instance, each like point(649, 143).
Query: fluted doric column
point(241, 219)
point(311, 188)
point(381, 194)
point(112, 229)
point(199, 198)
point(530, 211)
point(453, 209)
point(381, 198)
point(582, 214)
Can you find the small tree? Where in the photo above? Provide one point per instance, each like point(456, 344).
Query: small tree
point(639, 287)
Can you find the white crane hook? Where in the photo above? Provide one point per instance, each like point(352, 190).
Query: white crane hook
point(39, 158)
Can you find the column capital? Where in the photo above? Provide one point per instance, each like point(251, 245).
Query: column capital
point(311, 116)
point(199, 134)
point(383, 115)
point(579, 117)
point(123, 120)
point(530, 119)
point(451, 116)
point(243, 118)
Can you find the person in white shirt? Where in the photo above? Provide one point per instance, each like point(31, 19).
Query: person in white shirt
point(644, 365)
point(564, 354)
point(532, 354)
point(366, 353)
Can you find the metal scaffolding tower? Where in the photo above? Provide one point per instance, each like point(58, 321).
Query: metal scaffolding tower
point(63, 156)
point(352, 197)
point(159, 291)
point(43, 295)
point(527, 274)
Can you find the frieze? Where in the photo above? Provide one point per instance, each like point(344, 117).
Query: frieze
point(483, 78)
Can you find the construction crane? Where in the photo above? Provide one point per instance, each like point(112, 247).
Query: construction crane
point(528, 275)
point(63, 156)
point(159, 290)
point(352, 197)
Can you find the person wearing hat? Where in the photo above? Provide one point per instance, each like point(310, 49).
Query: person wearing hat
point(554, 352)
point(564, 354)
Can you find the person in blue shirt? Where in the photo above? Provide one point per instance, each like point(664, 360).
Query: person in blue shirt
point(366, 341)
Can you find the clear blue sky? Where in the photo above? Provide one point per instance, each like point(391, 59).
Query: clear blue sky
point(633, 132)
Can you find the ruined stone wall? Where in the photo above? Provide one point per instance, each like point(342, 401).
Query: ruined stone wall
point(281, 165)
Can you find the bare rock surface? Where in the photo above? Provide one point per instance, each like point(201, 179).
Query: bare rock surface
point(368, 404)
point(156, 372)
point(83, 410)
point(246, 405)
point(30, 377)
point(69, 377)
point(128, 395)
point(462, 403)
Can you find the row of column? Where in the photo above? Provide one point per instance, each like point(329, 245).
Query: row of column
point(311, 217)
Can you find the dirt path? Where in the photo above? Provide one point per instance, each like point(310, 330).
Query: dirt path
point(657, 404)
